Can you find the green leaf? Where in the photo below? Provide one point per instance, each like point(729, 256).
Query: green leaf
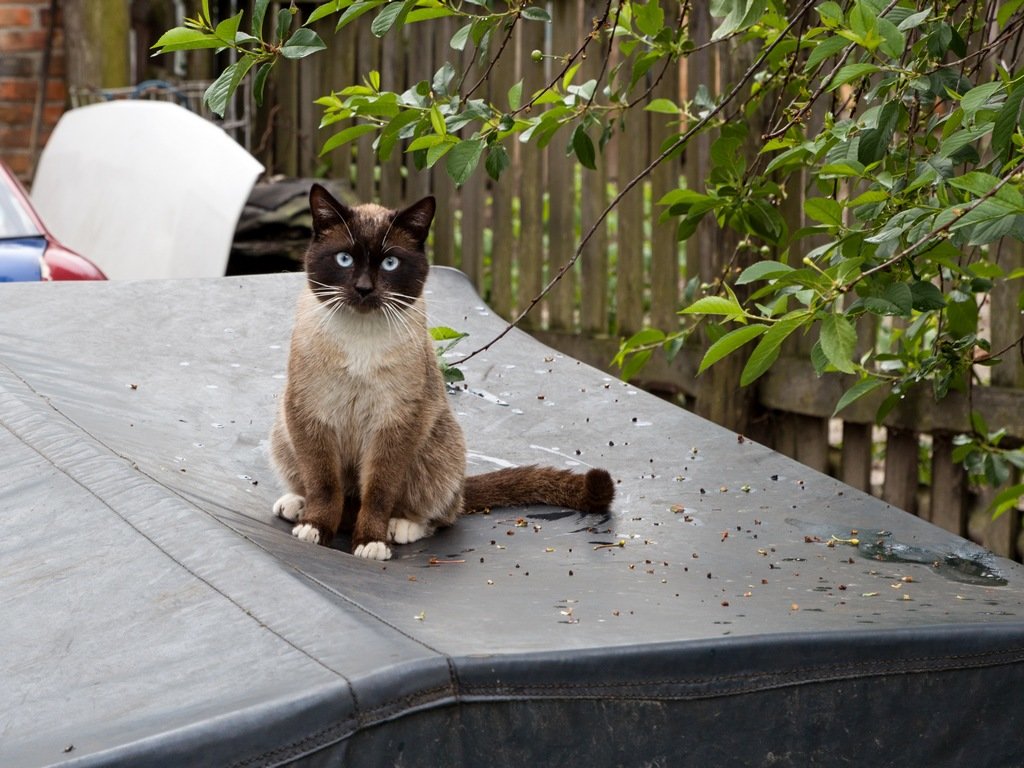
point(426, 14)
point(978, 97)
point(392, 131)
point(320, 12)
point(663, 106)
point(857, 391)
point(739, 14)
point(825, 210)
point(1006, 122)
point(259, 12)
point(497, 161)
point(635, 363)
point(221, 90)
point(438, 151)
point(260, 81)
point(426, 141)
point(977, 183)
point(730, 343)
point(515, 96)
point(437, 121)
point(830, 46)
point(344, 137)
point(913, 21)
point(583, 147)
point(927, 296)
point(838, 341)
point(830, 13)
point(851, 72)
point(186, 39)
point(463, 159)
point(685, 197)
point(893, 40)
point(284, 22)
point(767, 350)
point(533, 13)
point(228, 29)
point(650, 18)
point(302, 43)
point(391, 15)
point(763, 270)
point(962, 138)
point(1006, 11)
point(444, 333)
point(1006, 500)
point(460, 38)
point(714, 305)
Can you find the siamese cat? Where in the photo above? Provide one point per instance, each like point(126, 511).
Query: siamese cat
point(365, 439)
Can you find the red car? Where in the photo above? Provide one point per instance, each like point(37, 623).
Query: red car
point(28, 251)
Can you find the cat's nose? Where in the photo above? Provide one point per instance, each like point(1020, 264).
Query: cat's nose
point(364, 286)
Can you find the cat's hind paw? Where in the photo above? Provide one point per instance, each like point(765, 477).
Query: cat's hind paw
point(403, 531)
point(373, 550)
point(307, 532)
point(289, 507)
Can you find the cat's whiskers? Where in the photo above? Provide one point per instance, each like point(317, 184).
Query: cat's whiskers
point(393, 313)
point(410, 305)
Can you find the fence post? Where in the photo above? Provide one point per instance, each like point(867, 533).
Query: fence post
point(561, 188)
point(531, 192)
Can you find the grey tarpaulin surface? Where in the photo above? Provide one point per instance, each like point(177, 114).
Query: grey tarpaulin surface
point(153, 613)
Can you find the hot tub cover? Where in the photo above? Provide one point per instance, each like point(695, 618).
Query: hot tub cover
point(154, 613)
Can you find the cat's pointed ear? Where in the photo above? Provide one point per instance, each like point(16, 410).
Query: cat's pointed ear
point(327, 212)
point(417, 217)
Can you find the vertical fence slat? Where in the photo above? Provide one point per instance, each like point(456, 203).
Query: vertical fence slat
point(341, 68)
point(531, 194)
point(664, 246)
point(900, 487)
point(440, 182)
point(394, 77)
point(561, 188)
point(594, 191)
point(366, 43)
point(947, 508)
point(631, 158)
point(855, 466)
point(473, 195)
point(503, 243)
point(471, 246)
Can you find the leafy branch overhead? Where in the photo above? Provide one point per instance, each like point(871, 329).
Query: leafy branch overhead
point(898, 120)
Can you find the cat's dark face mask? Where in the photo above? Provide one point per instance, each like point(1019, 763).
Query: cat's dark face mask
point(367, 261)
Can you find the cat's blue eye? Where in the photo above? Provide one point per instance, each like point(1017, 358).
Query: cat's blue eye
point(344, 259)
point(390, 263)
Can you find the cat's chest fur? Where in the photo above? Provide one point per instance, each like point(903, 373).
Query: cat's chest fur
point(356, 372)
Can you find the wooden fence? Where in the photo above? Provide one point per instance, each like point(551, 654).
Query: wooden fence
point(511, 237)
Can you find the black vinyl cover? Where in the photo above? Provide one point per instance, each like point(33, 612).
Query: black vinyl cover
point(154, 613)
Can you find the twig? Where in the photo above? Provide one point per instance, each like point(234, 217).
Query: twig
point(497, 55)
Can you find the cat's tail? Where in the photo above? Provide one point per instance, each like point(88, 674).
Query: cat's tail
point(517, 486)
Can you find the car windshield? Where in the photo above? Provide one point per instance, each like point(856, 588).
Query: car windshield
point(14, 220)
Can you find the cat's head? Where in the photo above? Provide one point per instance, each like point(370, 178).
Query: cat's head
point(367, 258)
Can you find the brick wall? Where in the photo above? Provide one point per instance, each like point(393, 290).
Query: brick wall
point(23, 35)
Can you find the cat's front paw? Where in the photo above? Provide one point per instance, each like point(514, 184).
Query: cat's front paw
point(373, 550)
point(403, 531)
point(289, 507)
point(307, 532)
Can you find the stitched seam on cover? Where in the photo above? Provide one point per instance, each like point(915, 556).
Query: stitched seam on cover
point(314, 741)
point(768, 680)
